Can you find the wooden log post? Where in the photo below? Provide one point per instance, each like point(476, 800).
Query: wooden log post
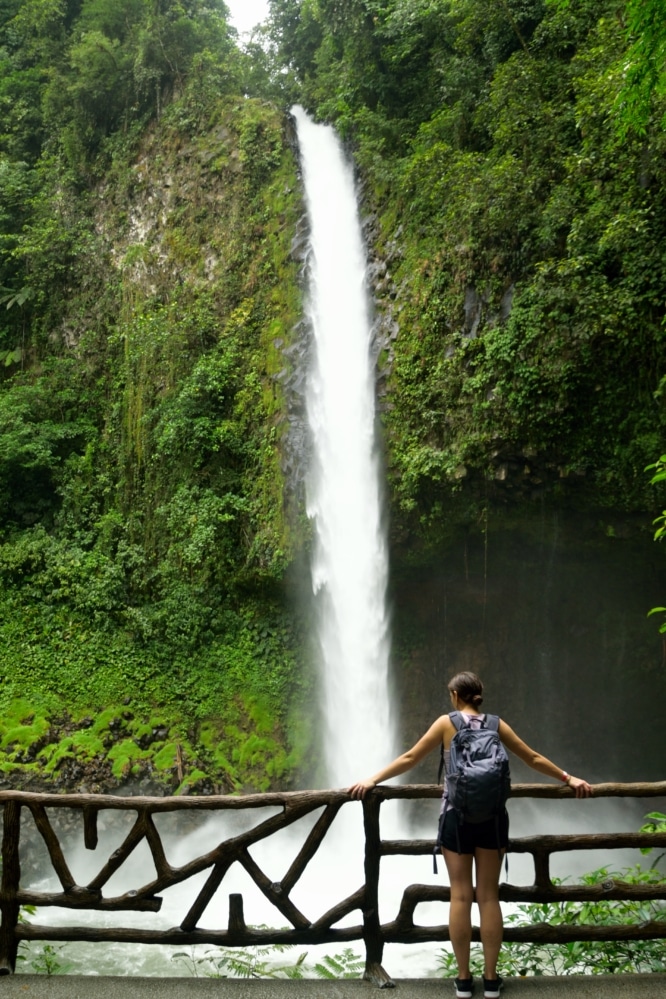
point(90, 827)
point(11, 876)
point(542, 869)
point(372, 931)
point(236, 924)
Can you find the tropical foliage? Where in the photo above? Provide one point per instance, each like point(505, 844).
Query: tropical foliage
point(512, 163)
point(146, 219)
point(515, 165)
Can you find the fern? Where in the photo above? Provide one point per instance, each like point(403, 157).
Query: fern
point(344, 965)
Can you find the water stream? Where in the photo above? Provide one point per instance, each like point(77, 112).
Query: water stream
point(349, 564)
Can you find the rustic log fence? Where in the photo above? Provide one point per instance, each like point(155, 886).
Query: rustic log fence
point(302, 930)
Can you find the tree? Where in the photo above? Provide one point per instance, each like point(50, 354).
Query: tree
point(645, 66)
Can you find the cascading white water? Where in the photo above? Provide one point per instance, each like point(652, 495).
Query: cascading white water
point(349, 566)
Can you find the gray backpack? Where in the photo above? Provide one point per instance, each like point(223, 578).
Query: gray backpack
point(479, 781)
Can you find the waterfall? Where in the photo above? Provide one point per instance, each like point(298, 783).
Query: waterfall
point(349, 562)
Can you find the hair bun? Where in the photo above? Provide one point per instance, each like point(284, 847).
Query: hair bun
point(468, 687)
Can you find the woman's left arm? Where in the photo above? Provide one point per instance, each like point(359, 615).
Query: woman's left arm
point(541, 763)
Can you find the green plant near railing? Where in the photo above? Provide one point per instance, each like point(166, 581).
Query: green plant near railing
point(46, 961)
point(657, 824)
point(247, 962)
point(260, 962)
point(659, 469)
point(580, 957)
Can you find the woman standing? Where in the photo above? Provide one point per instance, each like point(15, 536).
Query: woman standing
point(472, 844)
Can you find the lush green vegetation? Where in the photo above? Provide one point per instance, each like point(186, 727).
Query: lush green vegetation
point(145, 234)
point(517, 169)
point(512, 157)
point(659, 469)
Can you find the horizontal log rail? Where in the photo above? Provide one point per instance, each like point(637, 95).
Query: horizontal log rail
point(300, 929)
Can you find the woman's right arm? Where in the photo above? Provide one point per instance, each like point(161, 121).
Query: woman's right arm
point(433, 737)
point(541, 763)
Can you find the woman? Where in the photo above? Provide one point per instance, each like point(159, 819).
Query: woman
point(472, 843)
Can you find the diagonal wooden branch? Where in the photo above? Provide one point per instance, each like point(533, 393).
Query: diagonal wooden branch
point(273, 892)
point(162, 865)
point(119, 856)
point(205, 895)
point(235, 849)
point(229, 847)
point(53, 846)
point(167, 876)
point(340, 910)
point(310, 847)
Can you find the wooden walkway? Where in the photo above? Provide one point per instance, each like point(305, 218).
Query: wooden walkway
point(71, 987)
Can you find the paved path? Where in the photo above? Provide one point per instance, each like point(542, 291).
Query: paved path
point(72, 987)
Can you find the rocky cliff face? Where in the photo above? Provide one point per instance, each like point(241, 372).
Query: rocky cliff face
point(549, 608)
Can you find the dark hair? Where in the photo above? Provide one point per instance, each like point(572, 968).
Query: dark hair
point(468, 687)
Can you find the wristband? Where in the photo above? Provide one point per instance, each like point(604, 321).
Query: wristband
point(565, 777)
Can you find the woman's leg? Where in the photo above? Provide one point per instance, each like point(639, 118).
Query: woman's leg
point(488, 866)
point(459, 866)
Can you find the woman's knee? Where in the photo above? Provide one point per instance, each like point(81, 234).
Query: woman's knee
point(488, 904)
point(487, 891)
point(462, 893)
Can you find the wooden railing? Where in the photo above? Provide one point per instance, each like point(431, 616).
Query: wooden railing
point(302, 930)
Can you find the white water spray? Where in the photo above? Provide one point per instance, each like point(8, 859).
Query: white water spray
point(349, 566)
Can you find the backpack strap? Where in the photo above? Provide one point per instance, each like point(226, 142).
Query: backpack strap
point(458, 720)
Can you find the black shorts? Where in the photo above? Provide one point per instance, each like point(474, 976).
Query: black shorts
point(465, 838)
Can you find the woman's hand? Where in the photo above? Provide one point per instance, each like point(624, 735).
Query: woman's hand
point(360, 789)
point(580, 786)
